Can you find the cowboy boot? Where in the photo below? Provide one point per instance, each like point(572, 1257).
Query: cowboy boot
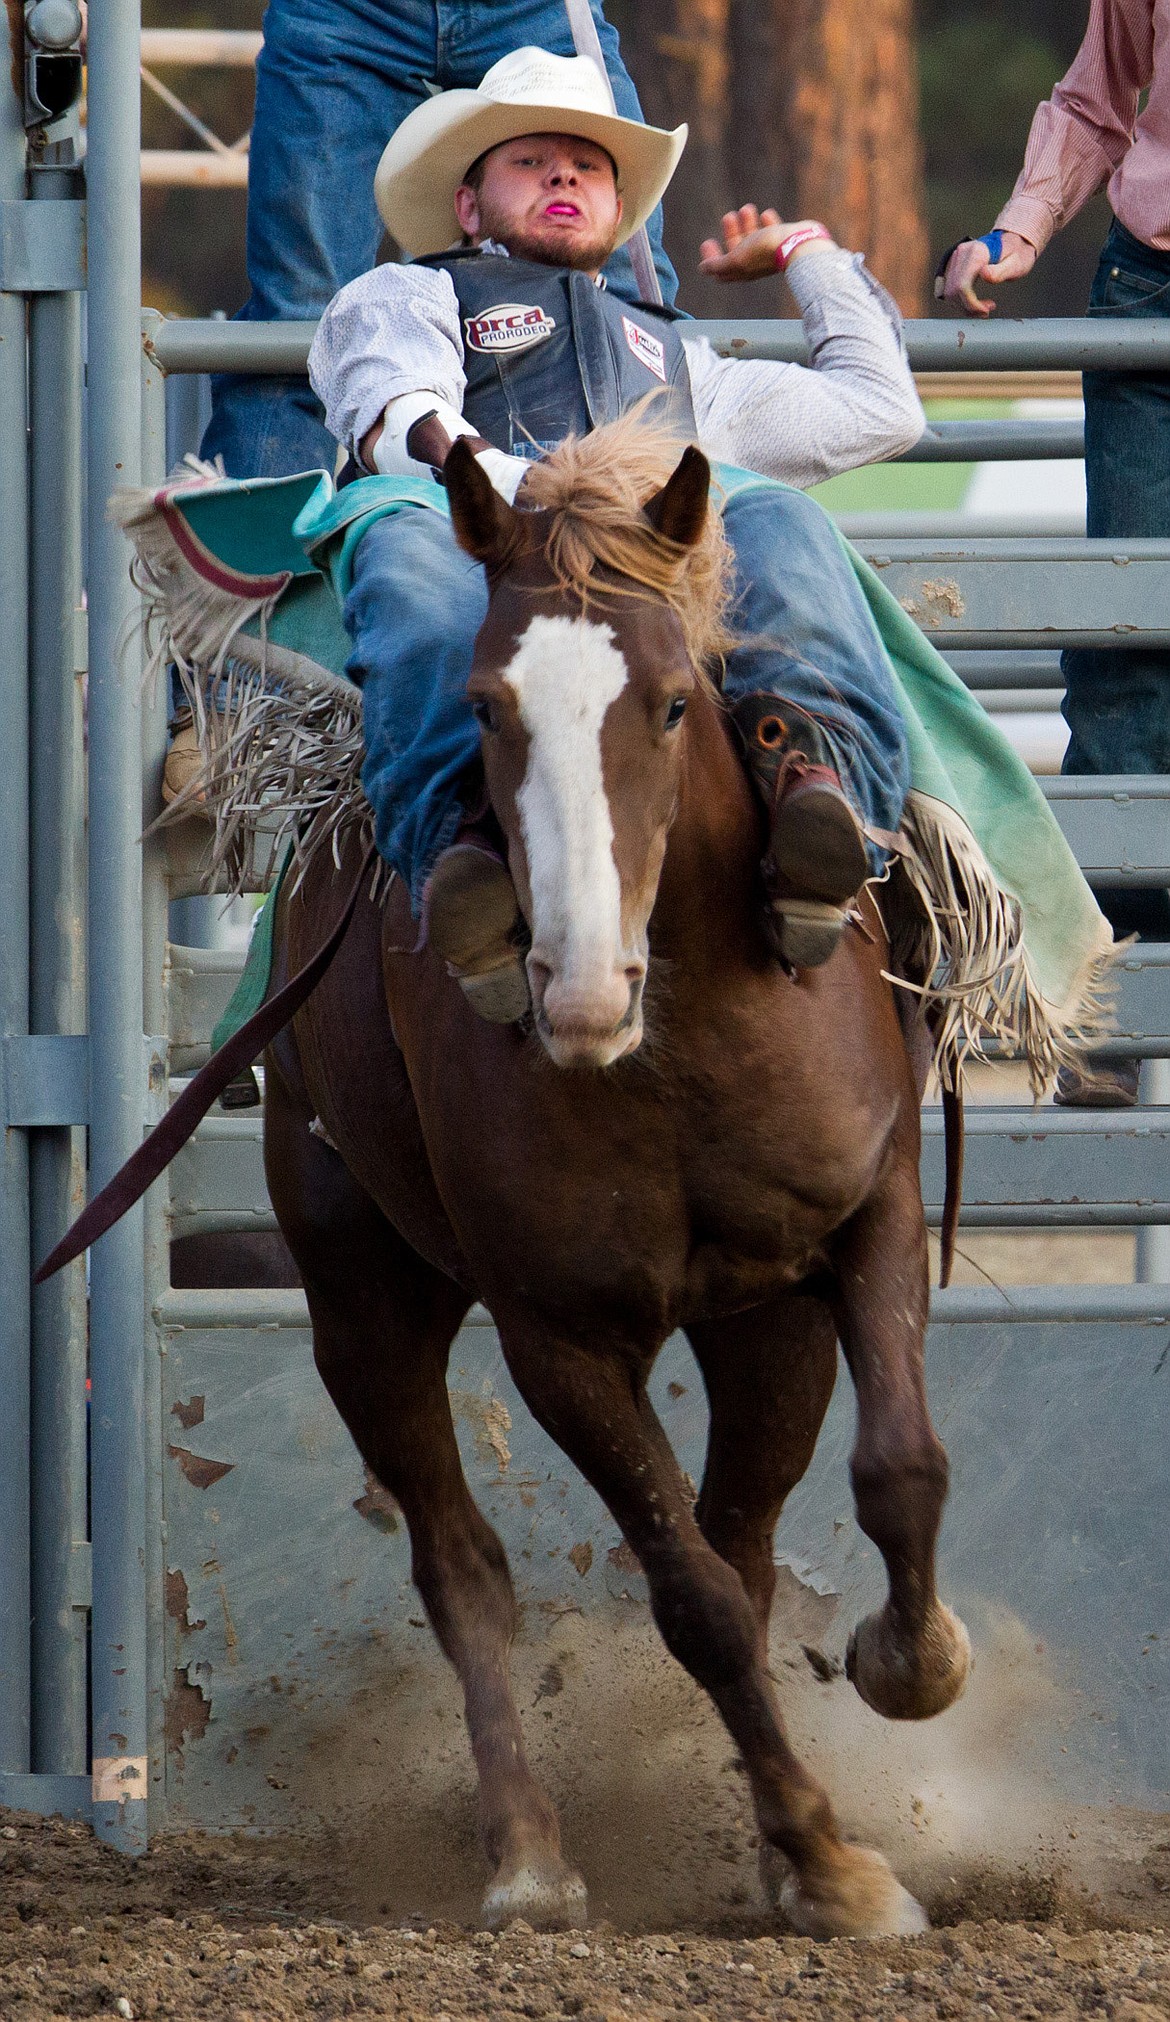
point(1098, 1082)
point(816, 861)
point(474, 923)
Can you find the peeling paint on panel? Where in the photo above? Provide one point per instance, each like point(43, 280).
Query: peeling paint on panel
point(581, 1556)
point(189, 1414)
point(229, 1628)
point(945, 597)
point(178, 1601)
point(941, 598)
point(188, 1707)
point(200, 1473)
point(492, 1422)
point(117, 1777)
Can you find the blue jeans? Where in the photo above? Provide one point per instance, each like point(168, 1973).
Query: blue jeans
point(334, 79)
point(1117, 704)
point(417, 602)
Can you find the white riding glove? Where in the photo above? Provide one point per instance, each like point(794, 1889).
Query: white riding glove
point(393, 459)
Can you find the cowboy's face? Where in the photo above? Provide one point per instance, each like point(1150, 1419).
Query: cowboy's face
point(546, 196)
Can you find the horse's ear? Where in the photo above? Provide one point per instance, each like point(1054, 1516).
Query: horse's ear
point(486, 526)
point(679, 511)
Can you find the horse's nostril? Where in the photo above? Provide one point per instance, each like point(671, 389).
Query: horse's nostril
point(634, 973)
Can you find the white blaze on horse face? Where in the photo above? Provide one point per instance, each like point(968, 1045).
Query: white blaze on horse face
point(566, 675)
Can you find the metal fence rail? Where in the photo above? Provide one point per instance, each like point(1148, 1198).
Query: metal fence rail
point(1080, 343)
point(1106, 343)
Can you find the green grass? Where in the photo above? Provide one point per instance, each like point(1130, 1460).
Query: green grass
point(911, 487)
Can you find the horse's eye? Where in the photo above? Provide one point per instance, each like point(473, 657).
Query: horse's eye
point(676, 712)
point(485, 714)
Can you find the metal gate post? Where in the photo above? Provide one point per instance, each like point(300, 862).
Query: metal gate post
point(118, 1076)
point(14, 1250)
point(156, 1205)
point(1153, 1244)
point(60, 1551)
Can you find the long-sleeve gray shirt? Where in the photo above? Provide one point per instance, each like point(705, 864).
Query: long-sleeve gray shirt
point(396, 330)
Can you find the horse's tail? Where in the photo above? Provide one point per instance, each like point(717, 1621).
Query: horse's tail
point(953, 1137)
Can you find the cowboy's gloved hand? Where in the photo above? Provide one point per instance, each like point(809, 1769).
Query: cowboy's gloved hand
point(431, 438)
point(507, 473)
point(415, 434)
point(751, 241)
point(971, 261)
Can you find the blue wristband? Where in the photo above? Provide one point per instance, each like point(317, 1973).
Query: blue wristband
point(994, 243)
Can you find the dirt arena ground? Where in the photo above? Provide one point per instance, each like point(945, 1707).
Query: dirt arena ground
point(1048, 1912)
point(227, 1929)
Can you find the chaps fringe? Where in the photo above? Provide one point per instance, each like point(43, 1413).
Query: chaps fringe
point(966, 942)
point(281, 737)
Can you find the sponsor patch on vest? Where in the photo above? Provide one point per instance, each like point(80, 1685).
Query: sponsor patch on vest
point(510, 326)
point(646, 347)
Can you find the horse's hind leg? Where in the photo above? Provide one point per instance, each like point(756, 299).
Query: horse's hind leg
point(911, 1660)
point(769, 1375)
point(593, 1402)
point(383, 1321)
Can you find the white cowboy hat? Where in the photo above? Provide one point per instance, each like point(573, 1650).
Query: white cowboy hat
point(530, 91)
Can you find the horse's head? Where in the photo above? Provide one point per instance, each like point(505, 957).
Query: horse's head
point(583, 670)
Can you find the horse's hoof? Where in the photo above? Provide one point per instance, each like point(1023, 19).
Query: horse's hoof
point(857, 1896)
point(550, 1896)
point(909, 1681)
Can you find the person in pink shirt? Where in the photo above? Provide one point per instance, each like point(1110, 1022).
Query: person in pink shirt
point(1095, 132)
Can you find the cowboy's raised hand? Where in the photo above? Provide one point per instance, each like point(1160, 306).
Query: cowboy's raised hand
point(971, 262)
point(751, 239)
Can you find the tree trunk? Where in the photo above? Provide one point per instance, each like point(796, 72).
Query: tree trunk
point(810, 105)
point(825, 100)
point(677, 54)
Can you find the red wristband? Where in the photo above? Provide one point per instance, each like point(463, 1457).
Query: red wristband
point(802, 236)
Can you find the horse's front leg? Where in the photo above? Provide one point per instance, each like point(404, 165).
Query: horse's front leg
point(769, 1375)
point(911, 1660)
point(383, 1321)
point(592, 1400)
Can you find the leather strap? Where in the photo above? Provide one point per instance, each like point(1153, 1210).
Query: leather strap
point(587, 42)
point(169, 1135)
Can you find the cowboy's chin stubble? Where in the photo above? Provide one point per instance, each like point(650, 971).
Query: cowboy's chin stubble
point(548, 247)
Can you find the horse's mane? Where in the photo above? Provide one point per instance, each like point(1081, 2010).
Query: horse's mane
point(595, 486)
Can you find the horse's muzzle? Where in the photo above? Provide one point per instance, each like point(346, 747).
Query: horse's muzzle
point(587, 1026)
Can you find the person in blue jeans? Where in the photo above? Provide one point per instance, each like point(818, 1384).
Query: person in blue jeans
point(507, 340)
point(334, 79)
point(1118, 704)
point(1106, 123)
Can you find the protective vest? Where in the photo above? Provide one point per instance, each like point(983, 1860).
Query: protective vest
point(547, 353)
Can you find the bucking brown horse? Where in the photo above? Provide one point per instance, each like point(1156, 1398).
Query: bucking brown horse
point(683, 1135)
